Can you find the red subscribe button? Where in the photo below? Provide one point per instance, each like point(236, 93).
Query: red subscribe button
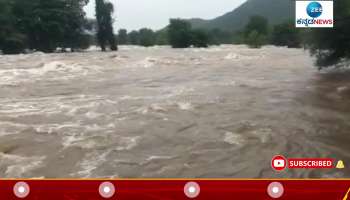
point(314, 163)
point(280, 163)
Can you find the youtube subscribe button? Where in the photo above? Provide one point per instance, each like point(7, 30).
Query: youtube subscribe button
point(280, 163)
point(313, 163)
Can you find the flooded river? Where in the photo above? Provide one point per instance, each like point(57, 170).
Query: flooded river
point(158, 112)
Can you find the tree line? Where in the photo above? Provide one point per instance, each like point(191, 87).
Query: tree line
point(196, 37)
point(48, 25)
point(180, 34)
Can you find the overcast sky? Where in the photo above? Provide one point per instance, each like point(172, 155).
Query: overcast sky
point(155, 14)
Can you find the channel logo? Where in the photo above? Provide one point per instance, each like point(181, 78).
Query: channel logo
point(314, 14)
point(279, 163)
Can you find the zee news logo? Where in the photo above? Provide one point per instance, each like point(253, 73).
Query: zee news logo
point(312, 14)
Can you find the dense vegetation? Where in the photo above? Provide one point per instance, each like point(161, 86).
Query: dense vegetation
point(49, 25)
point(332, 46)
point(256, 31)
point(123, 37)
point(195, 37)
point(179, 33)
point(286, 34)
point(105, 32)
point(42, 25)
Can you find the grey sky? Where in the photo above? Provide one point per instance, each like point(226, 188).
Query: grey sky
point(155, 14)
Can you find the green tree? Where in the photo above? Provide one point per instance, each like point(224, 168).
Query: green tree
point(11, 40)
point(123, 36)
point(255, 40)
point(48, 24)
point(179, 32)
point(200, 38)
point(256, 31)
point(75, 25)
point(134, 38)
point(286, 35)
point(218, 36)
point(105, 32)
point(162, 37)
point(331, 46)
point(257, 23)
point(147, 37)
point(42, 25)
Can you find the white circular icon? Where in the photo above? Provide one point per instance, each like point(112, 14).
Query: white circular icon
point(192, 190)
point(21, 190)
point(275, 190)
point(106, 190)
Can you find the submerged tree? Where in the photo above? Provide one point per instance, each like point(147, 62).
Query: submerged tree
point(331, 46)
point(179, 33)
point(42, 25)
point(162, 37)
point(257, 23)
point(134, 38)
point(122, 36)
point(256, 31)
point(11, 40)
point(76, 25)
point(147, 37)
point(255, 40)
point(200, 38)
point(286, 35)
point(105, 32)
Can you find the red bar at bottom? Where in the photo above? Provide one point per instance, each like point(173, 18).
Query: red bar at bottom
point(174, 189)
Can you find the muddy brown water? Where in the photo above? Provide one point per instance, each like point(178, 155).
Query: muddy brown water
point(159, 112)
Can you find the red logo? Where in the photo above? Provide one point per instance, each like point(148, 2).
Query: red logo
point(279, 163)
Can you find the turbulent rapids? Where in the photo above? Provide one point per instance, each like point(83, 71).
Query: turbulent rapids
point(224, 111)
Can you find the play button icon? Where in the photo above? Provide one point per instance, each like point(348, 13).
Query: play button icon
point(279, 163)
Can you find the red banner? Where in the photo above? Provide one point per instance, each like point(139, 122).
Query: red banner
point(174, 189)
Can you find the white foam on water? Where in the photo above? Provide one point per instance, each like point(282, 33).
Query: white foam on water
point(93, 48)
point(94, 160)
point(342, 89)
point(62, 71)
point(234, 138)
point(127, 143)
point(246, 56)
point(92, 115)
point(55, 128)
point(91, 162)
point(82, 141)
point(127, 97)
point(143, 110)
point(95, 127)
point(151, 158)
point(177, 91)
point(185, 105)
point(210, 49)
point(95, 141)
point(264, 134)
point(156, 158)
point(9, 128)
point(18, 166)
point(157, 107)
point(147, 62)
point(232, 56)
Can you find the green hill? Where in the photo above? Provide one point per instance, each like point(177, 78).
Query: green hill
point(276, 11)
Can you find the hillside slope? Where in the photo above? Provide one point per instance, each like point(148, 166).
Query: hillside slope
point(276, 11)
